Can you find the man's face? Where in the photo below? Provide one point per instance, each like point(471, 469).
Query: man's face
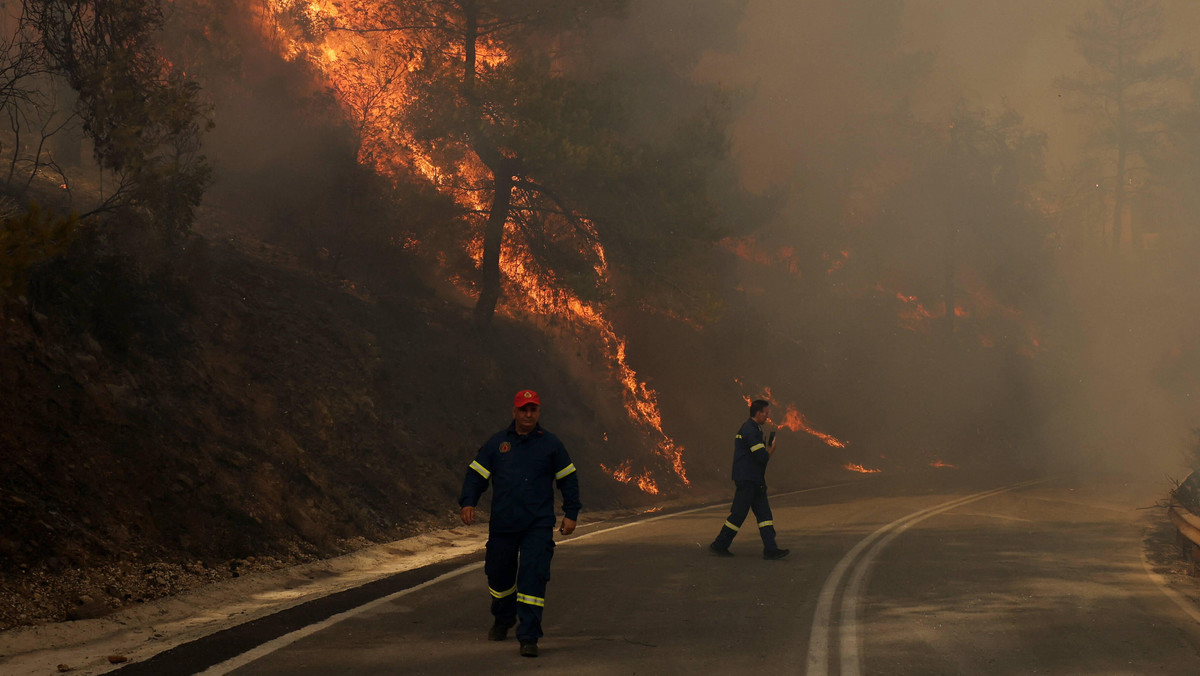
point(761, 416)
point(526, 417)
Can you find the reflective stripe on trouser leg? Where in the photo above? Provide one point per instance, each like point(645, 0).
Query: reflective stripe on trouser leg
point(500, 566)
point(742, 498)
point(501, 594)
point(537, 550)
point(531, 600)
point(762, 512)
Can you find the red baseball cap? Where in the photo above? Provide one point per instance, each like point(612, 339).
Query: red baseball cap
point(526, 397)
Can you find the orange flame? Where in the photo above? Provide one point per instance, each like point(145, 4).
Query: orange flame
point(647, 484)
point(625, 475)
point(939, 463)
point(370, 78)
point(835, 264)
point(641, 401)
point(796, 422)
point(983, 305)
point(855, 467)
point(748, 249)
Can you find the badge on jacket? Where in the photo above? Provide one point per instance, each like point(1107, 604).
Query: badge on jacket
point(505, 447)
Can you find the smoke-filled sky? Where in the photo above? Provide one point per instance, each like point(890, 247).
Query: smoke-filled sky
point(809, 65)
point(812, 62)
point(806, 67)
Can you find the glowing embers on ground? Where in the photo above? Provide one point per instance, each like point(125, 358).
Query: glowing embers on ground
point(855, 467)
point(941, 465)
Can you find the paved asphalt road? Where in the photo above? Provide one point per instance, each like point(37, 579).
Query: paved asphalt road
point(951, 577)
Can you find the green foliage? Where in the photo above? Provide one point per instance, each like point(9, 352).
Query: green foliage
point(634, 160)
point(144, 117)
point(28, 239)
point(565, 129)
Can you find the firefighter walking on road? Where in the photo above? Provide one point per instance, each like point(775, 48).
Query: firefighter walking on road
point(751, 453)
point(522, 463)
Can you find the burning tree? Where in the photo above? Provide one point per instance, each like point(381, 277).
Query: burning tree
point(478, 93)
point(502, 105)
point(554, 154)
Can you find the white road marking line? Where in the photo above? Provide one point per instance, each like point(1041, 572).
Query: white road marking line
point(873, 544)
point(271, 646)
point(1180, 600)
point(692, 511)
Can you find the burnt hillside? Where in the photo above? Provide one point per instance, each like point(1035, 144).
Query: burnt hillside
point(244, 411)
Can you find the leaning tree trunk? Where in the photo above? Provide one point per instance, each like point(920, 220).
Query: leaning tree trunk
point(497, 164)
point(493, 240)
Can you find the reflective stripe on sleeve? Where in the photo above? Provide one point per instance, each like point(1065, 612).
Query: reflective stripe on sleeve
point(764, 524)
point(531, 600)
point(565, 471)
point(483, 471)
point(731, 526)
point(756, 447)
point(502, 594)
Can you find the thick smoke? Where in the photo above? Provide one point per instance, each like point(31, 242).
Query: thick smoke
point(837, 98)
point(1113, 382)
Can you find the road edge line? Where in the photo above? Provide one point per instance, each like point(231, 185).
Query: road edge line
point(274, 644)
point(1184, 603)
point(264, 649)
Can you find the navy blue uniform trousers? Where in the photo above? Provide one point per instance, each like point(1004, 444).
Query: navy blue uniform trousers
point(517, 566)
point(749, 495)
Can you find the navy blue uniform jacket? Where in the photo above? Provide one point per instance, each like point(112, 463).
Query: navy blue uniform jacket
point(523, 470)
point(750, 456)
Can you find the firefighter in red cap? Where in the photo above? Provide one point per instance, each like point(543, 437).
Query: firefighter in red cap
point(522, 464)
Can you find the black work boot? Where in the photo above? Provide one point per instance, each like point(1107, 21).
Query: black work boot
point(718, 550)
point(529, 649)
point(773, 554)
point(499, 630)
